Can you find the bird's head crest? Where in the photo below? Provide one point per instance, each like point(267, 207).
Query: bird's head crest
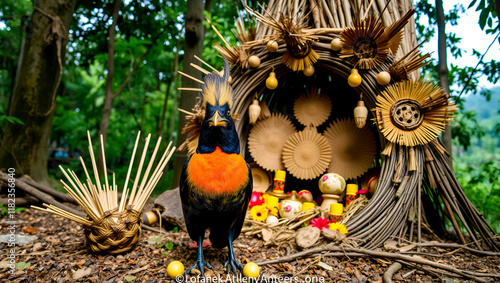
point(216, 91)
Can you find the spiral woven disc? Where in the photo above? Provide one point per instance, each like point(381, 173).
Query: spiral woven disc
point(266, 141)
point(353, 149)
point(306, 154)
point(312, 108)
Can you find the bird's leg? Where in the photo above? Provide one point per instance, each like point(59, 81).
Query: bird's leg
point(231, 261)
point(200, 260)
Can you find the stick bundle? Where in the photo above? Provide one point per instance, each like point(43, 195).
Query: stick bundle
point(112, 225)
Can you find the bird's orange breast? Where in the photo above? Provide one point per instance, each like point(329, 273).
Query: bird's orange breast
point(217, 172)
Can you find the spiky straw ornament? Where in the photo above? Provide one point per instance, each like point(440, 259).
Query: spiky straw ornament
point(112, 225)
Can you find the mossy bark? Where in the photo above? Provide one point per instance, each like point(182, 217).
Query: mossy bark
point(25, 147)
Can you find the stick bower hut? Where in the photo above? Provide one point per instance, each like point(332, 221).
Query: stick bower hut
point(356, 54)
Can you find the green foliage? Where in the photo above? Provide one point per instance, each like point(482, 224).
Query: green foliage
point(4, 210)
point(477, 167)
point(477, 125)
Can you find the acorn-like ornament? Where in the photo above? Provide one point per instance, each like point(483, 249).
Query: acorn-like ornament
point(254, 111)
point(336, 44)
point(254, 61)
point(271, 81)
point(272, 46)
point(309, 70)
point(360, 114)
point(354, 78)
point(383, 78)
point(221, 73)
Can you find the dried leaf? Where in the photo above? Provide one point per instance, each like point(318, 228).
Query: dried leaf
point(30, 230)
point(130, 278)
point(82, 272)
point(154, 240)
point(391, 245)
point(407, 248)
point(324, 266)
point(267, 234)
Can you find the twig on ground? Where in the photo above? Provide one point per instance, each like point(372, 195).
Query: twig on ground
point(397, 256)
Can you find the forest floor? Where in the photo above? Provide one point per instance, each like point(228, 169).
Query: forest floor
point(61, 255)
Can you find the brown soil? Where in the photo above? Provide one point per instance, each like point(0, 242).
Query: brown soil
point(61, 255)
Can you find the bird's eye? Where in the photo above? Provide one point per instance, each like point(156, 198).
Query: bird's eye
point(228, 113)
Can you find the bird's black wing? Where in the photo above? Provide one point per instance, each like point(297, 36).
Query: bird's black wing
point(191, 206)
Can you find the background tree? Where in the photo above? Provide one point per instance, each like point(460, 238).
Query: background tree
point(194, 33)
point(443, 65)
point(25, 146)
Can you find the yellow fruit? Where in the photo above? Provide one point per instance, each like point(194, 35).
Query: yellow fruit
point(354, 78)
point(383, 78)
point(230, 80)
point(254, 61)
point(251, 270)
point(309, 71)
point(272, 82)
point(272, 46)
point(175, 268)
point(336, 44)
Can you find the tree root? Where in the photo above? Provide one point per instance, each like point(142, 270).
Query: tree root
point(395, 267)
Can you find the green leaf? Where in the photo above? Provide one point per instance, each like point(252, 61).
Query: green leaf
point(482, 18)
point(130, 278)
point(154, 240)
point(163, 252)
point(176, 229)
point(22, 265)
point(19, 209)
point(169, 246)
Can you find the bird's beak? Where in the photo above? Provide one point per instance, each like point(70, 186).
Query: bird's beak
point(217, 120)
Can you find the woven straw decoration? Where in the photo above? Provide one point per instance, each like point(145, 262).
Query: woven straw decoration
point(116, 232)
point(353, 149)
point(312, 108)
point(266, 141)
point(412, 113)
point(306, 154)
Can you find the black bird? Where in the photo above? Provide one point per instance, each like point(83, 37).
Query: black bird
point(216, 182)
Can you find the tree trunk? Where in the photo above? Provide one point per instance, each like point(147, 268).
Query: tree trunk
point(109, 96)
point(443, 68)
point(193, 45)
point(174, 109)
point(25, 147)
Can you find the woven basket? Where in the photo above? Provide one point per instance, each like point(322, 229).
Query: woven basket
point(116, 232)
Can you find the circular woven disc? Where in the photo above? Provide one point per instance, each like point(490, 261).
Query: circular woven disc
point(306, 154)
point(266, 141)
point(312, 108)
point(353, 149)
point(261, 179)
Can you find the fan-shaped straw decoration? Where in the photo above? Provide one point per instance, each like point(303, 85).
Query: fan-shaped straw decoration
point(112, 225)
point(306, 154)
point(353, 149)
point(312, 108)
point(266, 141)
point(412, 113)
point(261, 178)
